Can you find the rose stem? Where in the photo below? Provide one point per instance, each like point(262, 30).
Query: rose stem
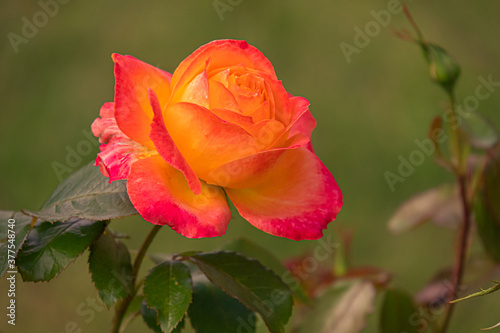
point(461, 174)
point(121, 306)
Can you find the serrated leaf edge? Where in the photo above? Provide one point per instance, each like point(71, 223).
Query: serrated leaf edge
point(190, 298)
point(268, 269)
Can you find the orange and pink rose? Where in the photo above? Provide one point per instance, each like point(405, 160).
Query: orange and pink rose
point(221, 125)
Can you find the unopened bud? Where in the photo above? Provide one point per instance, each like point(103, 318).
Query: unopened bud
point(444, 70)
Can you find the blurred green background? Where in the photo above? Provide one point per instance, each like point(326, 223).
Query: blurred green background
point(369, 112)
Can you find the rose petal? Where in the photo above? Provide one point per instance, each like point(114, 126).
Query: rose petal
point(167, 148)
point(296, 199)
point(233, 117)
point(105, 127)
point(222, 54)
point(222, 98)
point(249, 171)
point(303, 121)
point(206, 141)
point(222, 77)
point(266, 132)
point(196, 91)
point(118, 151)
point(160, 194)
point(132, 109)
point(280, 107)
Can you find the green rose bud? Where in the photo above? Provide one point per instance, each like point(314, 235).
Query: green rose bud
point(443, 69)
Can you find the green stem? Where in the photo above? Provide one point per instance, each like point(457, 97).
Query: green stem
point(122, 306)
point(455, 148)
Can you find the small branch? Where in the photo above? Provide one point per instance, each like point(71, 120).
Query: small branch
point(413, 24)
point(460, 170)
point(122, 306)
point(462, 251)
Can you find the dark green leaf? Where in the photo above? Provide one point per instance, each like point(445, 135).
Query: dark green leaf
point(150, 317)
point(341, 309)
point(440, 205)
point(51, 247)
point(168, 290)
point(214, 311)
point(252, 250)
point(10, 245)
point(397, 313)
point(180, 326)
point(87, 194)
point(111, 269)
point(254, 285)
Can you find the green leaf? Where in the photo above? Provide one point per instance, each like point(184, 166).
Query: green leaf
point(111, 269)
point(440, 205)
point(252, 250)
point(254, 285)
point(214, 311)
point(180, 326)
point(341, 309)
point(150, 317)
point(483, 292)
point(9, 247)
point(87, 194)
point(397, 311)
point(51, 247)
point(168, 290)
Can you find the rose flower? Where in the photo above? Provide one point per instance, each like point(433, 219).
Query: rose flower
point(221, 125)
